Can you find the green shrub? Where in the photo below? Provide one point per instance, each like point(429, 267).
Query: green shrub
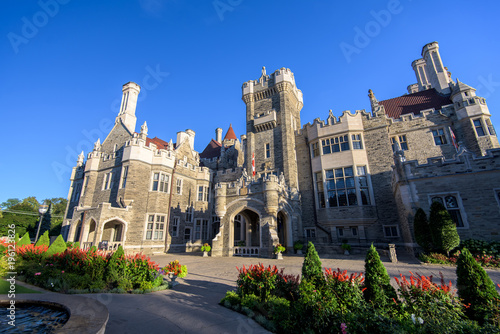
point(311, 267)
point(58, 246)
point(444, 231)
point(378, 288)
point(125, 284)
point(25, 240)
point(251, 301)
point(257, 280)
point(184, 271)
point(422, 230)
point(232, 298)
point(76, 244)
point(44, 239)
point(476, 290)
point(428, 300)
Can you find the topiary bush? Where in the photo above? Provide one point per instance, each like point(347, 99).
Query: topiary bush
point(422, 230)
point(311, 267)
point(44, 239)
point(378, 288)
point(25, 240)
point(476, 290)
point(58, 246)
point(444, 231)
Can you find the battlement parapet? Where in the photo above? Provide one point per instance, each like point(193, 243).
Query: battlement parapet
point(265, 82)
point(463, 162)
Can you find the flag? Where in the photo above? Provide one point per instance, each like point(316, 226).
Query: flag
point(253, 164)
point(454, 139)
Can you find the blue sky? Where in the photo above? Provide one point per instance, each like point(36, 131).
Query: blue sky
point(64, 62)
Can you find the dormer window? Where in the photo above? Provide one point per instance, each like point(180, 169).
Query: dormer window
point(466, 94)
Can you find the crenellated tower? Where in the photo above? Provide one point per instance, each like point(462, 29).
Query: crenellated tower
point(273, 105)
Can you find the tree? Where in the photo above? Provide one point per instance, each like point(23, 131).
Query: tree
point(422, 230)
point(311, 268)
point(58, 208)
point(444, 231)
point(10, 203)
point(25, 220)
point(379, 290)
point(476, 289)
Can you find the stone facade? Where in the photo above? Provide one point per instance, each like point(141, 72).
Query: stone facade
point(358, 177)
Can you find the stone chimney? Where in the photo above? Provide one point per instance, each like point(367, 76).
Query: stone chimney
point(218, 135)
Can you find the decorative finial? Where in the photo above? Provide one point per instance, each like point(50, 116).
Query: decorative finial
point(263, 71)
point(447, 71)
point(81, 157)
point(144, 129)
point(370, 94)
point(97, 145)
point(170, 144)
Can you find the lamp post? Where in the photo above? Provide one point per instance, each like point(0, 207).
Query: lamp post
point(42, 210)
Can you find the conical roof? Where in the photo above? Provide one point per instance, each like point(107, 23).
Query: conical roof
point(230, 134)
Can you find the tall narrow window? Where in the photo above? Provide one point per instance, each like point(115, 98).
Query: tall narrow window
point(439, 137)
point(175, 227)
point(363, 185)
point(491, 129)
point(189, 214)
point(76, 192)
point(356, 142)
point(124, 176)
point(203, 193)
point(479, 127)
point(268, 150)
point(179, 186)
point(320, 189)
point(187, 233)
point(315, 149)
point(108, 181)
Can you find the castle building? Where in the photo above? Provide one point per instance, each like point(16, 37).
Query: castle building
point(356, 178)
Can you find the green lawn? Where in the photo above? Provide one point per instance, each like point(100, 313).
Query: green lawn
point(4, 288)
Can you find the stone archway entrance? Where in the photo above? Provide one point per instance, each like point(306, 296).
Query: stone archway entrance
point(112, 235)
point(89, 235)
point(246, 234)
point(78, 231)
point(282, 229)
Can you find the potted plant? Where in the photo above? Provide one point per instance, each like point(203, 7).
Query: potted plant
point(174, 269)
point(346, 247)
point(205, 249)
point(298, 245)
point(278, 249)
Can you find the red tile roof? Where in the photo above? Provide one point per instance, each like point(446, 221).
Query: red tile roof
point(414, 103)
point(230, 133)
point(211, 151)
point(160, 144)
